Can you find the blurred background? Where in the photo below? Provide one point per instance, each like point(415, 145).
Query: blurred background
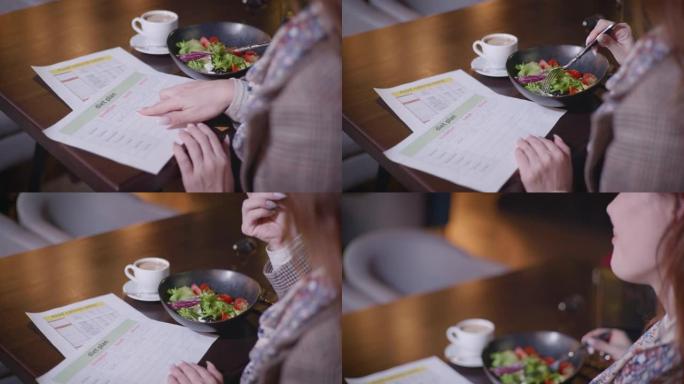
point(403, 244)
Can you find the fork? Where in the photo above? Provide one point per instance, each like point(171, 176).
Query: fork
point(557, 72)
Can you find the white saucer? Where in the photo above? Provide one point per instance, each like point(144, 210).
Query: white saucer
point(479, 65)
point(131, 290)
point(139, 43)
point(451, 354)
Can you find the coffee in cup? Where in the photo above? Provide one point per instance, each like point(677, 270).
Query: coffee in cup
point(147, 273)
point(496, 48)
point(471, 336)
point(155, 26)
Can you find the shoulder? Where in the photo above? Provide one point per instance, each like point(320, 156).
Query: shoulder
point(318, 73)
point(658, 97)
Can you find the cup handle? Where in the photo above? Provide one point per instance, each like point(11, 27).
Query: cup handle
point(451, 335)
point(477, 48)
point(136, 27)
point(127, 273)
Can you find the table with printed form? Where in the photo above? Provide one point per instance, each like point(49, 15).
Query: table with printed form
point(67, 31)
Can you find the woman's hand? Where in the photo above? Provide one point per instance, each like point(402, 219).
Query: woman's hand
point(619, 41)
point(187, 373)
point(545, 165)
point(204, 162)
point(268, 221)
point(191, 102)
point(616, 345)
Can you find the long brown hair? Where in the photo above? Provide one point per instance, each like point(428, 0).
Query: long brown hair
point(317, 218)
point(671, 254)
point(669, 14)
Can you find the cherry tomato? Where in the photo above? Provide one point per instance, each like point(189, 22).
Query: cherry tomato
point(588, 79)
point(240, 304)
point(564, 366)
point(234, 68)
point(520, 353)
point(543, 64)
point(213, 39)
point(530, 351)
point(574, 73)
point(554, 63)
point(224, 316)
point(573, 90)
point(195, 289)
point(204, 41)
point(225, 298)
point(548, 360)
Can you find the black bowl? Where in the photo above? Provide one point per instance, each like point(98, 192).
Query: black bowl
point(591, 62)
point(232, 283)
point(234, 35)
point(547, 343)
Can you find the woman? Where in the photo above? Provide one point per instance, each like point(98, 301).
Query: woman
point(637, 135)
point(299, 336)
point(648, 249)
point(287, 109)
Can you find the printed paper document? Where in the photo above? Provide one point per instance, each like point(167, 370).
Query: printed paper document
point(472, 139)
point(427, 371)
point(109, 125)
point(131, 351)
point(70, 327)
point(76, 80)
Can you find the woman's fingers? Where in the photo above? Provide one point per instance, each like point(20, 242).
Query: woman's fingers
point(203, 373)
point(171, 380)
point(214, 142)
point(178, 374)
point(182, 159)
point(193, 148)
point(600, 26)
point(214, 372)
point(178, 118)
point(522, 160)
point(162, 107)
point(190, 373)
point(539, 147)
point(561, 144)
point(202, 140)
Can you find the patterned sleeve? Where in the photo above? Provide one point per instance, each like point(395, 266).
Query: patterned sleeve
point(236, 112)
point(283, 277)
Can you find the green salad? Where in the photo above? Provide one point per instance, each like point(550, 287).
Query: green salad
point(526, 366)
point(532, 74)
point(209, 55)
point(201, 303)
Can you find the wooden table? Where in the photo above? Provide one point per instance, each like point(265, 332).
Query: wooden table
point(55, 276)
point(410, 51)
point(67, 29)
point(414, 327)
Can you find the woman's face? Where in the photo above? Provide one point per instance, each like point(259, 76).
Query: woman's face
point(639, 222)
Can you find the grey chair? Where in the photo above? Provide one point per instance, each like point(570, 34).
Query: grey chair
point(431, 7)
point(358, 16)
point(59, 217)
point(396, 9)
point(388, 264)
point(353, 300)
point(16, 147)
point(15, 239)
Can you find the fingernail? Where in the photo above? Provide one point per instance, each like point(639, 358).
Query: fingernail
point(279, 196)
point(270, 204)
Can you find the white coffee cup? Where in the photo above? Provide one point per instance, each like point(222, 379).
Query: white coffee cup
point(155, 26)
point(147, 273)
point(471, 336)
point(496, 48)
